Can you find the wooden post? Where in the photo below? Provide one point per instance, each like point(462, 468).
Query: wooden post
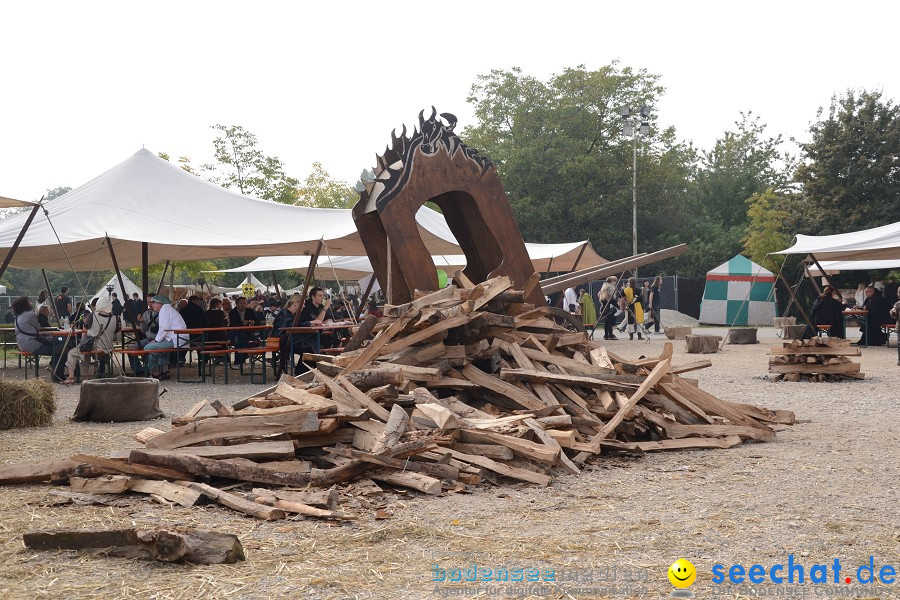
point(162, 277)
point(15, 246)
point(132, 319)
point(51, 299)
point(390, 298)
point(793, 297)
point(812, 279)
point(578, 258)
point(275, 281)
point(821, 270)
point(145, 269)
point(365, 297)
point(306, 281)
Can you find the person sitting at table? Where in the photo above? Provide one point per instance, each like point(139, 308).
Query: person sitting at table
point(316, 311)
point(373, 309)
point(241, 316)
point(194, 316)
point(828, 310)
point(301, 342)
point(30, 339)
point(877, 316)
point(43, 315)
point(226, 307)
point(102, 328)
point(216, 317)
point(169, 320)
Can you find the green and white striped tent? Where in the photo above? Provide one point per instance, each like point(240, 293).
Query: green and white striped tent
point(739, 292)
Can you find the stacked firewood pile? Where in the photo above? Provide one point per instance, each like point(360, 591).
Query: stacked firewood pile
point(815, 359)
point(459, 386)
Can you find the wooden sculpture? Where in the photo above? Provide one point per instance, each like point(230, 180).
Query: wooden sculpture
point(434, 165)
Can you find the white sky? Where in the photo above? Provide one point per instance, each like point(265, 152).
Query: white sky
point(83, 85)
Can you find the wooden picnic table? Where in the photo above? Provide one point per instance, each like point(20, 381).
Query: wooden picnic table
point(204, 332)
point(312, 329)
point(858, 314)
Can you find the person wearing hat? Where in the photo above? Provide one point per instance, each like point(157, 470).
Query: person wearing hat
point(169, 320)
point(102, 328)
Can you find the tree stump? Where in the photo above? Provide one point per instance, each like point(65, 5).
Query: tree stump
point(742, 336)
point(702, 344)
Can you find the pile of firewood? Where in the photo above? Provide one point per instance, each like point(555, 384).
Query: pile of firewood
point(459, 386)
point(815, 359)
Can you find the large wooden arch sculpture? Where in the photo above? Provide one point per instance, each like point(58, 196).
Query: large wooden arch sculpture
point(434, 165)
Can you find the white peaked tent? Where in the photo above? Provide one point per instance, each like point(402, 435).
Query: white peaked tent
point(259, 285)
point(130, 288)
point(738, 292)
point(147, 200)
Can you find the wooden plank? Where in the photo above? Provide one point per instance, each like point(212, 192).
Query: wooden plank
point(588, 381)
point(522, 447)
point(32, 472)
point(551, 442)
point(314, 402)
point(681, 402)
point(269, 499)
point(713, 406)
point(416, 481)
point(225, 427)
point(492, 289)
point(108, 484)
point(493, 451)
point(677, 430)
point(321, 498)
point(658, 371)
point(253, 450)
point(207, 467)
point(499, 468)
point(683, 444)
point(428, 332)
point(691, 366)
point(522, 398)
point(563, 361)
point(376, 347)
point(118, 466)
point(178, 494)
point(363, 399)
point(816, 368)
point(146, 433)
point(237, 503)
point(166, 545)
point(394, 427)
point(195, 410)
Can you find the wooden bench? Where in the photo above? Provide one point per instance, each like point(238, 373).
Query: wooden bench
point(887, 328)
point(30, 359)
point(256, 355)
point(104, 361)
point(823, 329)
point(140, 352)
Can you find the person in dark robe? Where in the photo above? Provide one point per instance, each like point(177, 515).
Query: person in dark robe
point(828, 310)
point(878, 315)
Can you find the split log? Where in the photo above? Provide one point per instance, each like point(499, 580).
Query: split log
point(166, 545)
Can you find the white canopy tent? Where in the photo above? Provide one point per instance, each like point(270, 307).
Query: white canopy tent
point(130, 288)
point(147, 200)
point(835, 266)
point(560, 257)
point(878, 243)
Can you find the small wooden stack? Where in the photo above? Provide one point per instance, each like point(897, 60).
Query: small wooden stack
point(815, 359)
point(459, 386)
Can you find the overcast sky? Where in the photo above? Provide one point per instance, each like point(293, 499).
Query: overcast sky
point(86, 84)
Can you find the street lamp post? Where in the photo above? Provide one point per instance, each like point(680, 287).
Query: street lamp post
point(634, 122)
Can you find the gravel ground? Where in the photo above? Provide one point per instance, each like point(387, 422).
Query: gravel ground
point(826, 490)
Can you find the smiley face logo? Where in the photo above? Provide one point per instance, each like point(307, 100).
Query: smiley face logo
point(682, 573)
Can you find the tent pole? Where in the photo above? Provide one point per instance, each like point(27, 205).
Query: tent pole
point(310, 271)
point(550, 264)
point(162, 278)
point(793, 297)
point(365, 297)
point(15, 246)
point(112, 254)
point(813, 279)
point(50, 299)
point(822, 271)
point(390, 299)
point(578, 258)
point(275, 281)
point(145, 269)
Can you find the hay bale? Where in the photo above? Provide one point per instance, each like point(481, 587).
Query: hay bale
point(26, 403)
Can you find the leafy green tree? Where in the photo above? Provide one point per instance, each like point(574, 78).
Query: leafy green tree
point(849, 169)
point(765, 233)
point(240, 164)
point(56, 192)
point(565, 164)
point(322, 191)
point(183, 161)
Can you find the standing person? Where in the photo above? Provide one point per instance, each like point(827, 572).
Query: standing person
point(102, 329)
point(588, 310)
point(169, 320)
point(608, 307)
point(896, 312)
point(635, 309)
point(117, 307)
point(241, 316)
point(890, 289)
point(570, 300)
point(63, 304)
point(655, 305)
point(43, 301)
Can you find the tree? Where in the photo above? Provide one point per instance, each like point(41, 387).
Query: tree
point(56, 192)
point(183, 161)
point(322, 191)
point(564, 163)
point(767, 215)
point(850, 170)
point(241, 165)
